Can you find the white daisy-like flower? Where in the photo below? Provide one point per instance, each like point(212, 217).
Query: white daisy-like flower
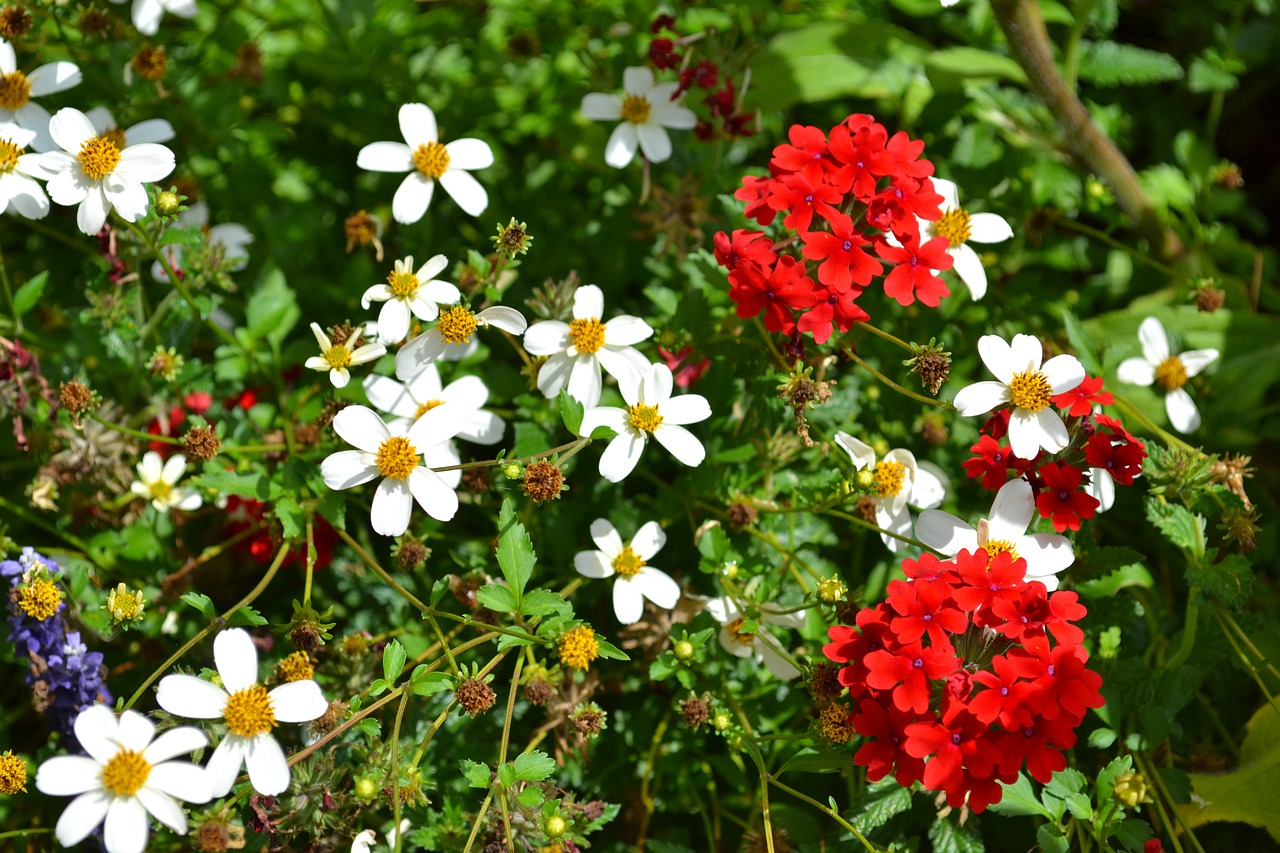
point(396, 456)
point(151, 130)
point(577, 350)
point(1005, 529)
point(407, 292)
point(1170, 372)
point(961, 228)
point(427, 161)
point(92, 171)
point(651, 411)
point(758, 644)
point(17, 89)
point(232, 237)
point(147, 13)
point(453, 332)
point(336, 358)
point(19, 190)
point(646, 111)
point(158, 482)
point(365, 839)
point(408, 401)
point(636, 579)
point(1028, 387)
point(250, 712)
point(900, 481)
point(126, 776)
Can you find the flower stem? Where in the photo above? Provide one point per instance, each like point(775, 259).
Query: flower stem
point(894, 385)
point(893, 339)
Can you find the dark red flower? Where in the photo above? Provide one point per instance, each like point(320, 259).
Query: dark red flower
point(1027, 617)
point(987, 578)
point(862, 158)
point(958, 751)
point(663, 53)
point(1038, 742)
point(663, 22)
point(1007, 697)
point(744, 244)
point(755, 192)
point(1060, 499)
point(1122, 461)
point(886, 728)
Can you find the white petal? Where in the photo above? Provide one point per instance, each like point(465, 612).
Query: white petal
point(393, 321)
point(648, 540)
point(1155, 342)
point(469, 392)
point(173, 469)
point(895, 520)
point(463, 188)
point(553, 375)
point(348, 468)
point(1026, 353)
point(625, 330)
point(777, 665)
point(385, 157)
point(654, 142)
point(25, 196)
point(67, 184)
point(1197, 360)
point(363, 840)
point(8, 58)
point(481, 427)
point(298, 701)
point(418, 125)
point(268, 770)
point(981, 397)
point(606, 537)
point(1045, 553)
point(722, 610)
point(66, 775)
point(361, 427)
point(621, 456)
point(585, 380)
point(1136, 371)
point(165, 808)
point(469, 154)
point(126, 827)
point(433, 494)
point(588, 303)
point(98, 731)
point(1182, 410)
point(681, 443)
point(656, 385)
point(988, 228)
point(434, 427)
point(444, 456)
point(606, 416)
point(224, 765)
point(146, 162)
point(673, 116)
point(625, 364)
point(1011, 512)
point(136, 731)
point(657, 586)
point(637, 80)
point(375, 293)
point(151, 130)
point(1102, 487)
point(969, 267)
point(82, 816)
point(53, 77)
point(147, 15)
point(621, 147)
point(685, 409)
point(1053, 431)
point(418, 353)
point(426, 307)
point(92, 213)
point(392, 506)
point(180, 741)
point(367, 352)
point(592, 564)
point(71, 128)
point(944, 532)
point(930, 486)
point(949, 191)
point(412, 198)
point(1063, 372)
point(601, 107)
point(546, 337)
point(862, 454)
point(236, 658)
point(628, 602)
point(998, 357)
point(507, 319)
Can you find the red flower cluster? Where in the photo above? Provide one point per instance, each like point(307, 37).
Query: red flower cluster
point(955, 680)
point(722, 103)
point(843, 195)
point(1099, 443)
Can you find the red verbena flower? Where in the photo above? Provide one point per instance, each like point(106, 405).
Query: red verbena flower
point(832, 306)
point(915, 275)
point(1060, 499)
point(776, 292)
point(992, 463)
point(1122, 461)
point(1080, 400)
point(846, 264)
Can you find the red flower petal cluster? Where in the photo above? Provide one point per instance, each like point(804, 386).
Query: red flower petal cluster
point(243, 514)
point(965, 674)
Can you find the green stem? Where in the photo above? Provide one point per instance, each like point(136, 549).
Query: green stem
point(893, 339)
point(502, 750)
point(825, 809)
point(145, 436)
point(1188, 631)
point(395, 768)
point(1118, 245)
point(853, 519)
point(894, 385)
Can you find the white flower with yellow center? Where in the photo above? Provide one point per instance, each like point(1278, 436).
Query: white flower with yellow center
point(98, 174)
point(336, 358)
point(147, 13)
point(578, 349)
point(396, 456)
point(1028, 387)
point(1170, 372)
point(248, 709)
point(427, 161)
point(1005, 529)
point(17, 89)
point(151, 130)
point(899, 480)
point(737, 640)
point(651, 411)
point(408, 401)
point(646, 111)
point(452, 333)
point(126, 776)
point(158, 482)
point(407, 292)
point(961, 228)
point(231, 238)
point(636, 579)
point(19, 190)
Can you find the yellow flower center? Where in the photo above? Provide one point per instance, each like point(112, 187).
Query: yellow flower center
point(456, 325)
point(423, 408)
point(13, 773)
point(14, 90)
point(249, 712)
point(999, 546)
point(397, 458)
point(645, 418)
point(40, 599)
point(431, 159)
point(338, 356)
point(1171, 374)
point(1030, 390)
point(889, 478)
point(9, 154)
point(954, 225)
point(635, 109)
point(98, 157)
point(115, 136)
point(587, 335)
point(579, 647)
point(741, 637)
point(122, 604)
point(403, 284)
point(126, 773)
point(296, 667)
point(628, 563)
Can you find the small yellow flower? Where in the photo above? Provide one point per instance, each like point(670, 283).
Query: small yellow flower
point(832, 589)
point(40, 597)
point(124, 605)
point(13, 773)
point(296, 667)
point(579, 647)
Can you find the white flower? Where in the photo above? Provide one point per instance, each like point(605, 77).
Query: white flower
point(151, 130)
point(407, 291)
point(18, 189)
point(232, 237)
point(961, 228)
point(17, 89)
point(651, 411)
point(1033, 423)
point(94, 172)
point(759, 644)
point(900, 481)
point(367, 838)
point(157, 481)
point(249, 710)
point(394, 454)
point(427, 161)
point(577, 350)
point(413, 399)
point(637, 580)
point(126, 775)
point(1170, 372)
point(336, 358)
point(1004, 530)
point(1101, 487)
point(147, 13)
point(646, 111)
point(452, 333)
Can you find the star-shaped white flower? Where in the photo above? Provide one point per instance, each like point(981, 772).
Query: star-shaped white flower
point(1030, 388)
point(126, 776)
point(577, 350)
point(646, 111)
point(151, 130)
point(250, 711)
point(427, 161)
point(411, 400)
point(336, 358)
point(452, 332)
point(961, 228)
point(17, 89)
point(396, 456)
point(1170, 372)
point(651, 411)
point(147, 13)
point(407, 292)
point(158, 482)
point(232, 237)
point(900, 480)
point(19, 190)
point(96, 173)
point(1005, 529)
point(636, 579)
point(759, 644)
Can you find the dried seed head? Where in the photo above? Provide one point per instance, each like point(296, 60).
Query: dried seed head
point(474, 695)
point(14, 22)
point(332, 717)
point(307, 435)
point(543, 481)
point(1227, 175)
point(741, 516)
point(824, 683)
point(1241, 526)
point(94, 22)
point(588, 719)
point(1231, 471)
point(834, 723)
point(410, 553)
point(305, 638)
point(213, 837)
point(150, 63)
point(931, 363)
point(364, 229)
point(512, 239)
point(933, 429)
point(201, 443)
point(696, 710)
point(539, 692)
point(1210, 299)
point(77, 399)
point(476, 480)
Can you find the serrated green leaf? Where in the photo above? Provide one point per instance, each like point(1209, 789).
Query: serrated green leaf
point(571, 412)
point(506, 775)
point(882, 801)
point(609, 651)
point(540, 602)
point(1106, 587)
point(515, 551)
point(1065, 783)
point(810, 760)
point(1020, 798)
point(476, 774)
point(371, 728)
point(950, 838)
point(534, 766)
point(531, 798)
point(424, 683)
point(1106, 784)
point(1204, 76)
point(1248, 793)
point(292, 518)
point(1230, 580)
point(1079, 806)
point(202, 603)
point(1109, 63)
point(393, 658)
point(246, 616)
point(1051, 839)
point(497, 598)
point(1082, 343)
point(252, 484)
point(378, 687)
point(1178, 524)
point(26, 296)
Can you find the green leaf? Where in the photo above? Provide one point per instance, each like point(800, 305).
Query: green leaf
point(272, 311)
point(1230, 580)
point(292, 518)
point(26, 296)
point(1111, 64)
point(1102, 738)
point(571, 412)
point(506, 775)
point(1106, 783)
point(252, 484)
point(439, 589)
point(810, 760)
point(246, 616)
point(1205, 76)
point(1082, 343)
point(531, 798)
point(1065, 783)
point(497, 598)
point(950, 838)
point(541, 602)
point(1107, 587)
point(969, 62)
point(202, 603)
point(1132, 833)
point(424, 683)
point(515, 551)
point(534, 766)
point(393, 658)
point(609, 651)
point(476, 774)
point(1178, 524)
point(1020, 799)
point(1051, 839)
point(882, 801)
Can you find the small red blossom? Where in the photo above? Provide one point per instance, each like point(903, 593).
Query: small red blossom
point(1060, 498)
point(1080, 400)
point(1122, 461)
point(992, 463)
point(743, 244)
point(776, 292)
point(844, 263)
point(686, 365)
point(907, 672)
point(915, 275)
point(663, 53)
point(832, 306)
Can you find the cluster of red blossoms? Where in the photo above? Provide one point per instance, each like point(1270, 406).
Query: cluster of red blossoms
point(956, 683)
point(843, 196)
point(1101, 454)
point(722, 101)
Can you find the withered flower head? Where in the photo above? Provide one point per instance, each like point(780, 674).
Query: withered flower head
point(363, 229)
point(77, 399)
point(14, 22)
point(512, 239)
point(931, 363)
point(696, 710)
point(150, 63)
point(543, 481)
point(474, 695)
point(201, 443)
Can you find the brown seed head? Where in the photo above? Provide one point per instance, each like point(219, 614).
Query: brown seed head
point(150, 63)
point(305, 638)
point(474, 696)
point(834, 724)
point(1241, 526)
point(476, 480)
point(14, 22)
point(1210, 298)
point(201, 443)
point(931, 363)
point(543, 481)
point(76, 398)
point(213, 837)
point(306, 435)
point(1231, 471)
point(933, 429)
point(411, 554)
point(539, 692)
point(588, 722)
point(741, 516)
point(824, 683)
point(332, 717)
point(1228, 176)
point(696, 710)
point(94, 22)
